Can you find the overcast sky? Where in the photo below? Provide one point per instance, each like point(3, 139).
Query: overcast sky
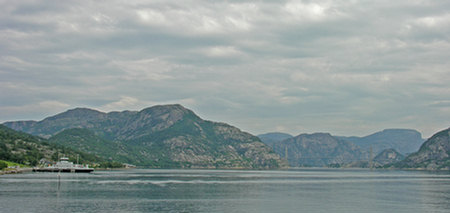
point(344, 67)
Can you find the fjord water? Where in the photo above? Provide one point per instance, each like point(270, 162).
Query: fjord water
point(300, 190)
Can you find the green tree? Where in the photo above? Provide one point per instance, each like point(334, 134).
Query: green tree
point(3, 165)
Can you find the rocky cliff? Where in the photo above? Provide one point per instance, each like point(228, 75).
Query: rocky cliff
point(387, 156)
point(433, 154)
point(319, 149)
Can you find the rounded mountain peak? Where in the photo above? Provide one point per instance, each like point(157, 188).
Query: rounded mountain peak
point(77, 113)
point(316, 135)
point(167, 109)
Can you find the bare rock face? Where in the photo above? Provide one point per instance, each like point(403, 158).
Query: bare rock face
point(388, 156)
point(319, 149)
point(433, 154)
point(164, 136)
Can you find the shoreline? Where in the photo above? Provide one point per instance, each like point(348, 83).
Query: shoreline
point(30, 170)
point(15, 171)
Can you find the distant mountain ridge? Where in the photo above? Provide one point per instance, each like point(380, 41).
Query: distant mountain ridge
point(322, 149)
point(404, 141)
point(318, 149)
point(162, 136)
point(273, 137)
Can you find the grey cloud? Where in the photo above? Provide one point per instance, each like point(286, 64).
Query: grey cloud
point(298, 66)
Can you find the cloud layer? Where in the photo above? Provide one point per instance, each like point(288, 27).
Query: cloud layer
point(345, 67)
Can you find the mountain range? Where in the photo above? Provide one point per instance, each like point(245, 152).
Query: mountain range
point(405, 141)
point(165, 136)
point(322, 149)
point(171, 136)
point(318, 149)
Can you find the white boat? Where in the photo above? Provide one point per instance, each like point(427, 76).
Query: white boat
point(64, 165)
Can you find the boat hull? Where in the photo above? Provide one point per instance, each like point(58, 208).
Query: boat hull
point(71, 170)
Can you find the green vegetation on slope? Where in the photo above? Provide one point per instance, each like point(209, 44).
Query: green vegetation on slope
point(192, 142)
point(168, 136)
point(3, 164)
point(87, 141)
point(6, 164)
point(26, 149)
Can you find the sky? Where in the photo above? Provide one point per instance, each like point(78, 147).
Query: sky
point(343, 67)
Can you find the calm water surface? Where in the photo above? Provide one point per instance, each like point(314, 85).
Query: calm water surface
point(303, 190)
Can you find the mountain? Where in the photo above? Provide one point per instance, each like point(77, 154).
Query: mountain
point(164, 136)
point(403, 140)
point(273, 137)
point(27, 149)
point(79, 117)
point(388, 156)
point(318, 149)
point(22, 126)
point(384, 159)
point(433, 154)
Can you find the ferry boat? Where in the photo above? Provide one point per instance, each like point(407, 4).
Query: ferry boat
point(64, 165)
